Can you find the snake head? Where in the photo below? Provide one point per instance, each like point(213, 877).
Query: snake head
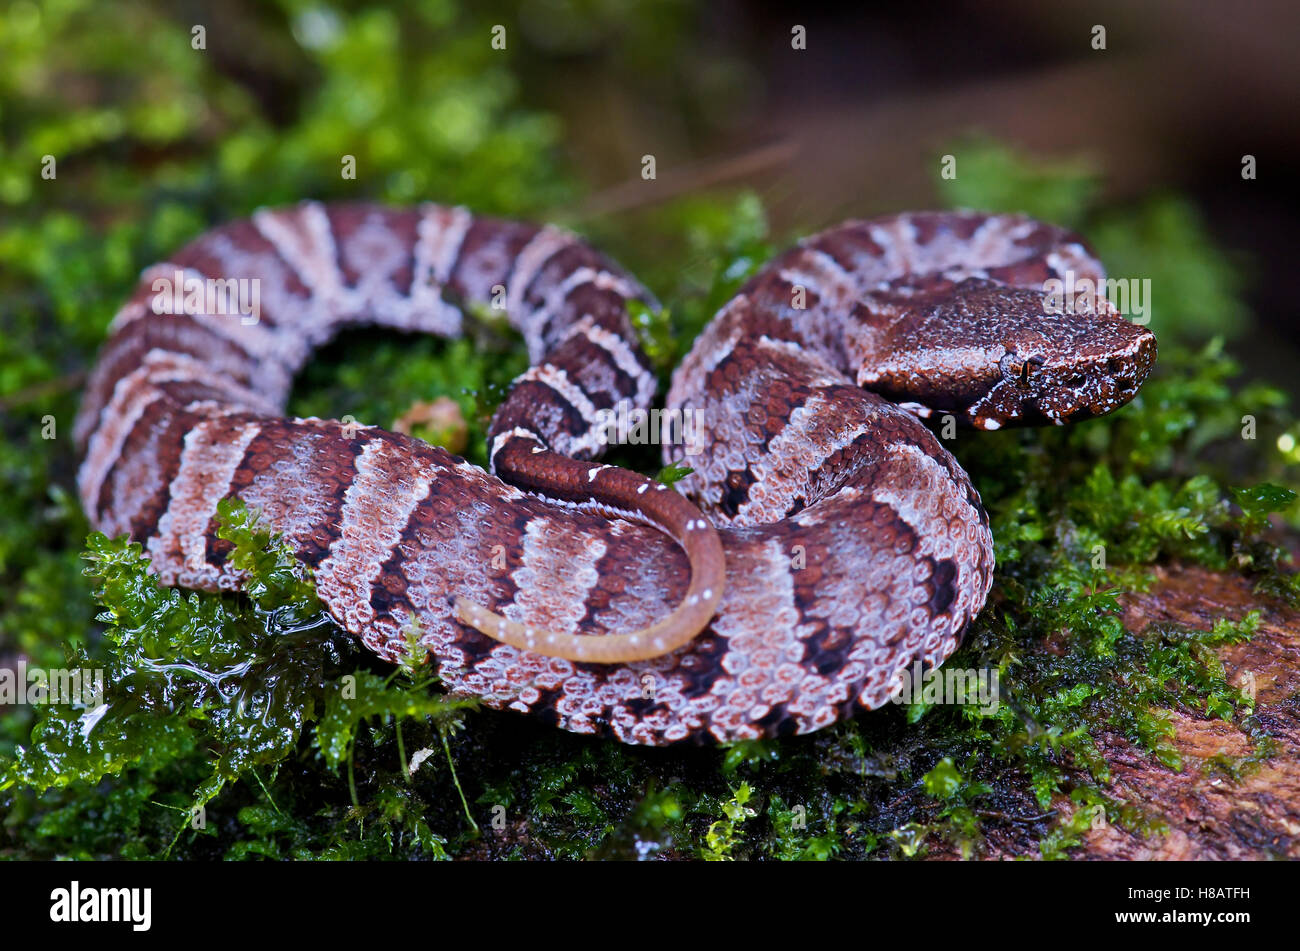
point(997, 356)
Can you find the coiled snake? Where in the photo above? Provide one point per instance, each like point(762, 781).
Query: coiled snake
point(825, 541)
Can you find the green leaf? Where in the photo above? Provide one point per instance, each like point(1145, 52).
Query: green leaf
point(943, 781)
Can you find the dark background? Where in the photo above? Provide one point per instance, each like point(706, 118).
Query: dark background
point(855, 123)
point(1182, 91)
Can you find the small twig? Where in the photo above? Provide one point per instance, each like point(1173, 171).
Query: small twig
point(688, 178)
point(994, 814)
point(446, 748)
point(70, 381)
point(352, 778)
point(269, 797)
point(401, 751)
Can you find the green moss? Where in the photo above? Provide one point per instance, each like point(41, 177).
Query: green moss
point(244, 726)
point(723, 835)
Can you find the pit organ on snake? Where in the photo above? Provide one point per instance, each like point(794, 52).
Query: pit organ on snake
point(825, 542)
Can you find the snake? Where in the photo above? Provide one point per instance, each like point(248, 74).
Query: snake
point(823, 542)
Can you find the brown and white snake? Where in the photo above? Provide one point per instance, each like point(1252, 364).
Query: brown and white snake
point(831, 541)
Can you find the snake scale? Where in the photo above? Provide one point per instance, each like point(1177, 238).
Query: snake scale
point(825, 542)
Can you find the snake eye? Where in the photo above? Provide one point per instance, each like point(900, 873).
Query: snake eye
point(1032, 366)
point(1011, 365)
point(1016, 367)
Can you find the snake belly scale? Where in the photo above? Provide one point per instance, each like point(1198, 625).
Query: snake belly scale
point(824, 543)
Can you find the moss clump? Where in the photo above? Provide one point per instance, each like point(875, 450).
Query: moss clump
point(217, 688)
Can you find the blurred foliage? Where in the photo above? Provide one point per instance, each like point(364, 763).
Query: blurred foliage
point(1195, 287)
point(250, 726)
point(992, 177)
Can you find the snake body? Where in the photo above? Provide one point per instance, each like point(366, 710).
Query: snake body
point(825, 542)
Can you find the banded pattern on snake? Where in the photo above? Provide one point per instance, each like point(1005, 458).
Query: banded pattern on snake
point(825, 542)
